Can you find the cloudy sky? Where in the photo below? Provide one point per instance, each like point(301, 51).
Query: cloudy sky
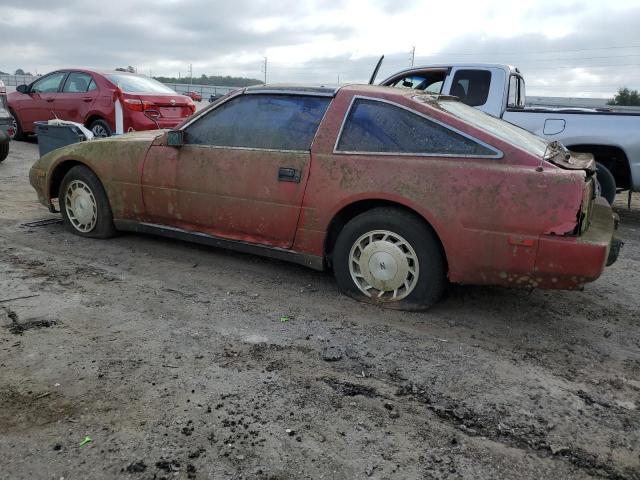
point(563, 47)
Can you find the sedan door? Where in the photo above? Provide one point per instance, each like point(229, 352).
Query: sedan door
point(242, 172)
point(77, 97)
point(38, 103)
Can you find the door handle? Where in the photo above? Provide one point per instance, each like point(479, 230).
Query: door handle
point(288, 174)
point(49, 100)
point(87, 99)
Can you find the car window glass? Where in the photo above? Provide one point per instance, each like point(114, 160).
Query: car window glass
point(280, 122)
point(77, 82)
point(380, 127)
point(471, 86)
point(48, 84)
point(92, 86)
point(131, 83)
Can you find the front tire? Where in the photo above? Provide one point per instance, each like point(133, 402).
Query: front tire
point(607, 183)
point(84, 204)
point(100, 128)
point(390, 257)
point(4, 150)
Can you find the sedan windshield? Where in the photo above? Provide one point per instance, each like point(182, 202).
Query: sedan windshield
point(495, 126)
point(138, 84)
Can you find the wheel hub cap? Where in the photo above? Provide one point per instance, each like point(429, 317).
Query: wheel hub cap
point(384, 265)
point(81, 206)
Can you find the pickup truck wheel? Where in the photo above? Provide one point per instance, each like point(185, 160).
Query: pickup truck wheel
point(100, 129)
point(389, 257)
point(84, 204)
point(4, 150)
point(607, 183)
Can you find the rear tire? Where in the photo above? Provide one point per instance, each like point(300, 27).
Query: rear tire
point(392, 258)
point(607, 183)
point(84, 204)
point(4, 150)
point(100, 128)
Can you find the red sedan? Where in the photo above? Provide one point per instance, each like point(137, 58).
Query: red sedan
point(195, 96)
point(106, 102)
point(394, 190)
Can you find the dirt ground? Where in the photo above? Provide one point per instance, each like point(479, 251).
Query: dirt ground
point(180, 361)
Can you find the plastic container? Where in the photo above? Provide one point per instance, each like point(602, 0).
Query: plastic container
point(51, 137)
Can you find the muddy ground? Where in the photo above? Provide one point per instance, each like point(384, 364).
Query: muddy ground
point(180, 361)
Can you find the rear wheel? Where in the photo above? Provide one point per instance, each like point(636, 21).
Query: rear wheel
point(84, 204)
point(390, 257)
point(606, 182)
point(100, 128)
point(4, 150)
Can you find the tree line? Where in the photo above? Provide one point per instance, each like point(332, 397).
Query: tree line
point(226, 81)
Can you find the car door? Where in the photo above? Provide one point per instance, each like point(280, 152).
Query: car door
point(242, 171)
point(76, 97)
point(38, 103)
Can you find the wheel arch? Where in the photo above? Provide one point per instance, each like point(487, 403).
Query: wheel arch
point(58, 173)
point(96, 116)
point(613, 157)
point(357, 207)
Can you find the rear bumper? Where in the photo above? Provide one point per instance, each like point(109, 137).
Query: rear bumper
point(139, 121)
point(570, 262)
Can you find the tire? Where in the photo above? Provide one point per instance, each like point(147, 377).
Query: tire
point(84, 204)
point(100, 128)
point(405, 260)
point(4, 150)
point(607, 183)
point(17, 129)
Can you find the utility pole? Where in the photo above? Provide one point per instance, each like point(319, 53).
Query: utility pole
point(413, 54)
point(190, 74)
point(265, 70)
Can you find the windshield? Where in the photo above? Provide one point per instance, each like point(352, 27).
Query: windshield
point(496, 127)
point(138, 84)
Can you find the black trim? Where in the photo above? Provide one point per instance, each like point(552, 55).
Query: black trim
point(311, 261)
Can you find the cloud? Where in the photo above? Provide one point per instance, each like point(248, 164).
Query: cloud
point(561, 47)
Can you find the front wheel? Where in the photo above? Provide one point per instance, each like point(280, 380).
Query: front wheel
point(390, 257)
point(4, 150)
point(84, 204)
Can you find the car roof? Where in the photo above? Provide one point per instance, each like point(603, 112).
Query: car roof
point(320, 90)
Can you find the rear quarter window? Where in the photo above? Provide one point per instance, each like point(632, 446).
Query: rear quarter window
point(374, 126)
point(471, 86)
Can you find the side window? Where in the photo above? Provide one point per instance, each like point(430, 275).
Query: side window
point(277, 122)
point(379, 127)
point(48, 84)
point(77, 82)
point(92, 86)
point(471, 86)
point(430, 82)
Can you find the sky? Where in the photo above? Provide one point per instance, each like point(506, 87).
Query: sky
point(576, 48)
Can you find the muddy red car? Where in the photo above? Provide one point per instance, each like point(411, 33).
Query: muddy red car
point(106, 102)
point(395, 191)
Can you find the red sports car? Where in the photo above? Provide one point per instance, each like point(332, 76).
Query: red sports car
point(106, 102)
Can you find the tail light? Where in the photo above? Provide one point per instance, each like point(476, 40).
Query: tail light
point(191, 105)
point(139, 105)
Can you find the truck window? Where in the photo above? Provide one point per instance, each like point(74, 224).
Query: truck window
point(374, 126)
point(471, 86)
point(430, 82)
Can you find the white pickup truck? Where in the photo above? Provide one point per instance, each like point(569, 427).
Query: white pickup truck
point(499, 90)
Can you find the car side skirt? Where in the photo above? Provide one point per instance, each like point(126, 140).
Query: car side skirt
point(312, 261)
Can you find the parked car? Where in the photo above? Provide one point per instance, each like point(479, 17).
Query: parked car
point(106, 102)
point(612, 137)
point(195, 96)
point(215, 96)
point(6, 123)
point(394, 190)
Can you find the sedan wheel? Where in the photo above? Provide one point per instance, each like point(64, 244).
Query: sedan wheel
point(384, 265)
point(100, 129)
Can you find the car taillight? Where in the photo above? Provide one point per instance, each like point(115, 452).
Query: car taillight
point(139, 105)
point(191, 105)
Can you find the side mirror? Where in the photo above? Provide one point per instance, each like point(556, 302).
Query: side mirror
point(175, 138)
point(22, 88)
